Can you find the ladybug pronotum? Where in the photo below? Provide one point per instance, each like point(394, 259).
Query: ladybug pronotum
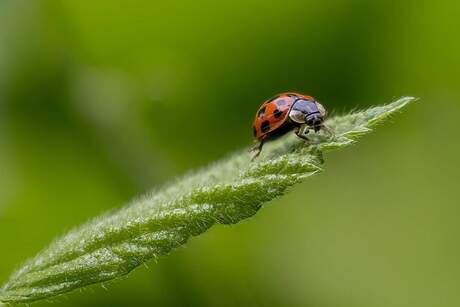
point(286, 112)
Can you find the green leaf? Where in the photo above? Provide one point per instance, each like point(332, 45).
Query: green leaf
point(151, 226)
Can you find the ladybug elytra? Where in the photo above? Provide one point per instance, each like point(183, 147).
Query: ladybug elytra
point(286, 112)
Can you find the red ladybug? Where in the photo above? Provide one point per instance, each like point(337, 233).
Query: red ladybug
point(286, 112)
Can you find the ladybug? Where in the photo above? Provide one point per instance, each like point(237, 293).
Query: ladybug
point(286, 112)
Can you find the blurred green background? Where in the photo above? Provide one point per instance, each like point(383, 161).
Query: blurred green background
point(102, 100)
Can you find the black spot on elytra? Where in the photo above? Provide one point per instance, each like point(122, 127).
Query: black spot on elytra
point(261, 112)
point(277, 113)
point(265, 126)
point(254, 130)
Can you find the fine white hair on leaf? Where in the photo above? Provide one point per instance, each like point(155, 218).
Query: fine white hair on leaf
point(225, 192)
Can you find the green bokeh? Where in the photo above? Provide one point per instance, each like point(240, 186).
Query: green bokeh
point(102, 100)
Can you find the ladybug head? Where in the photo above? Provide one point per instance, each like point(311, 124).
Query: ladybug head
point(314, 120)
point(308, 112)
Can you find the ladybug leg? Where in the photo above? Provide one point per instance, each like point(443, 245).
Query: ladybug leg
point(257, 149)
point(302, 132)
point(328, 131)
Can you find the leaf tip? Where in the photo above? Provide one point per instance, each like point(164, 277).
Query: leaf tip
point(404, 101)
